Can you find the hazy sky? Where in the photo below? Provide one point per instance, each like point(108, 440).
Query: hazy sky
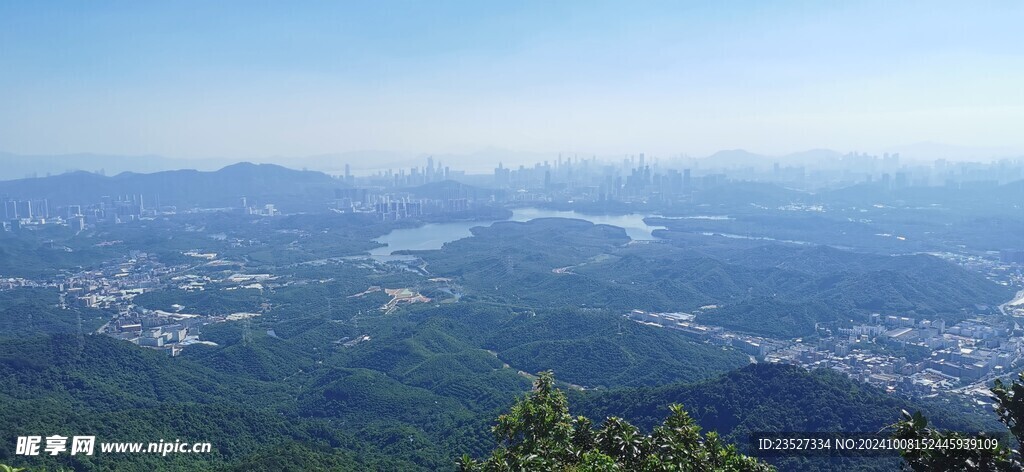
point(254, 79)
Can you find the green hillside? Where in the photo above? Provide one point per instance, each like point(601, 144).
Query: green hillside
point(119, 392)
point(780, 398)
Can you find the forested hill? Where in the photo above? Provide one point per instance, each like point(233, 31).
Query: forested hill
point(97, 385)
point(223, 187)
point(770, 289)
point(777, 398)
point(100, 386)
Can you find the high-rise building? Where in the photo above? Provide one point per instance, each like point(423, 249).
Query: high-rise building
point(41, 209)
point(128, 206)
point(25, 209)
point(10, 209)
point(502, 176)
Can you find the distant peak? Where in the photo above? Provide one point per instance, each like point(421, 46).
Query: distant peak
point(244, 165)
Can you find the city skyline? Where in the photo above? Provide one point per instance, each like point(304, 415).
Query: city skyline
point(750, 235)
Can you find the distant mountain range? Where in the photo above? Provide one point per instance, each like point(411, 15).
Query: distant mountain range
point(17, 166)
point(930, 151)
point(20, 166)
point(923, 152)
point(176, 187)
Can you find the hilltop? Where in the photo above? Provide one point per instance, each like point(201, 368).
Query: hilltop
point(177, 187)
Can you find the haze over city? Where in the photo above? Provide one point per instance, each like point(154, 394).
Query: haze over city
point(250, 82)
point(451, 235)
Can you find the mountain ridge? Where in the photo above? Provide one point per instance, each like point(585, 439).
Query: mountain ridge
point(176, 187)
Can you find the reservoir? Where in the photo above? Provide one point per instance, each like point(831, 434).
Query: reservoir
point(434, 235)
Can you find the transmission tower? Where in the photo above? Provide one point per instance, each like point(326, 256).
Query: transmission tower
point(246, 332)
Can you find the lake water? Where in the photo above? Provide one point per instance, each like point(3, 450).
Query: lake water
point(434, 235)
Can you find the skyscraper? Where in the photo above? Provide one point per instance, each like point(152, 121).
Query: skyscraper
point(10, 209)
point(25, 209)
point(502, 176)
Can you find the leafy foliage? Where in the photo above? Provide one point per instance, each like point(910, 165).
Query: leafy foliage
point(539, 434)
point(119, 392)
point(915, 428)
point(774, 398)
point(1009, 406)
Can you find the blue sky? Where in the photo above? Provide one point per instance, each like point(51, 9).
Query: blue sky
point(256, 79)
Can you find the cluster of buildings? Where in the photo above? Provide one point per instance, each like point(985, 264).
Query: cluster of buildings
point(170, 338)
point(114, 285)
point(954, 358)
point(640, 178)
point(632, 180)
point(388, 205)
point(637, 178)
point(975, 350)
point(26, 209)
point(415, 176)
point(20, 214)
point(267, 209)
point(28, 214)
point(896, 353)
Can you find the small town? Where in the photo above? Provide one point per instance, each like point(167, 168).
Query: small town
point(962, 358)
